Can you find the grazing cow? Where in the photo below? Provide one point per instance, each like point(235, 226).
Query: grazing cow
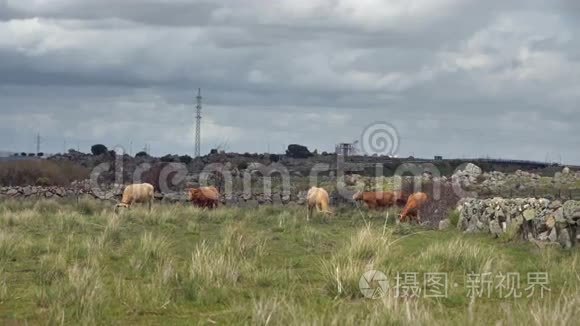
point(136, 193)
point(414, 204)
point(381, 199)
point(317, 198)
point(205, 197)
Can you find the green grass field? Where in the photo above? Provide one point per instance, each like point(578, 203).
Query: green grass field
point(79, 264)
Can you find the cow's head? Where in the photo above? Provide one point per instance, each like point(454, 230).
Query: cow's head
point(195, 193)
point(120, 205)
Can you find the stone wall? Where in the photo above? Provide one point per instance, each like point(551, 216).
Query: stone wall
point(84, 190)
point(538, 220)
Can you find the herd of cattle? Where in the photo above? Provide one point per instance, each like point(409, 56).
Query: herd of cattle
point(316, 198)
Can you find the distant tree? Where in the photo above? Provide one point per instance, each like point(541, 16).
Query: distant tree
point(31, 154)
point(167, 158)
point(41, 154)
point(298, 151)
point(274, 157)
point(213, 151)
point(185, 159)
point(15, 154)
point(141, 154)
point(242, 165)
point(23, 154)
point(99, 149)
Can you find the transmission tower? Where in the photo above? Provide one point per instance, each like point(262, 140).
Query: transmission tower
point(198, 125)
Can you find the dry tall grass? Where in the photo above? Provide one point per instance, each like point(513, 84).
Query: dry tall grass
point(80, 264)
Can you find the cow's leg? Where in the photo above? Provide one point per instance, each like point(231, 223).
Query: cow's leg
point(149, 204)
point(319, 210)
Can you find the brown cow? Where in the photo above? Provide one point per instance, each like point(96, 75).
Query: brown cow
point(206, 197)
point(381, 199)
point(414, 204)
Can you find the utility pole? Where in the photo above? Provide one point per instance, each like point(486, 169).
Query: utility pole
point(37, 144)
point(198, 125)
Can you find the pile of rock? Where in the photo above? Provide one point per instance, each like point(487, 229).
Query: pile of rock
point(112, 192)
point(538, 220)
point(468, 176)
point(497, 181)
point(36, 191)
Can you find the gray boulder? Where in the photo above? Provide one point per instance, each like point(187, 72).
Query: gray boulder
point(444, 224)
point(12, 192)
point(495, 228)
point(564, 238)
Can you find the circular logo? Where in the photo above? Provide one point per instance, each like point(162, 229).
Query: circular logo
point(373, 284)
point(380, 138)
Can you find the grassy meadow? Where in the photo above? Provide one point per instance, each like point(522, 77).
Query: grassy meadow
point(79, 264)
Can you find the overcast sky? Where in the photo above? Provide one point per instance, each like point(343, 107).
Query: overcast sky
point(458, 78)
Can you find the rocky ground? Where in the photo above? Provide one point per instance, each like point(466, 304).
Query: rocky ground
point(538, 220)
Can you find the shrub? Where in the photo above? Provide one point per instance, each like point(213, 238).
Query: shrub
point(43, 181)
point(141, 154)
point(274, 157)
point(99, 149)
point(454, 218)
point(167, 158)
point(156, 178)
point(298, 151)
point(42, 172)
point(434, 211)
point(242, 165)
point(185, 159)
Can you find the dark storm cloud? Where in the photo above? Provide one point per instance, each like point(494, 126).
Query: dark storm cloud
point(455, 77)
point(174, 13)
